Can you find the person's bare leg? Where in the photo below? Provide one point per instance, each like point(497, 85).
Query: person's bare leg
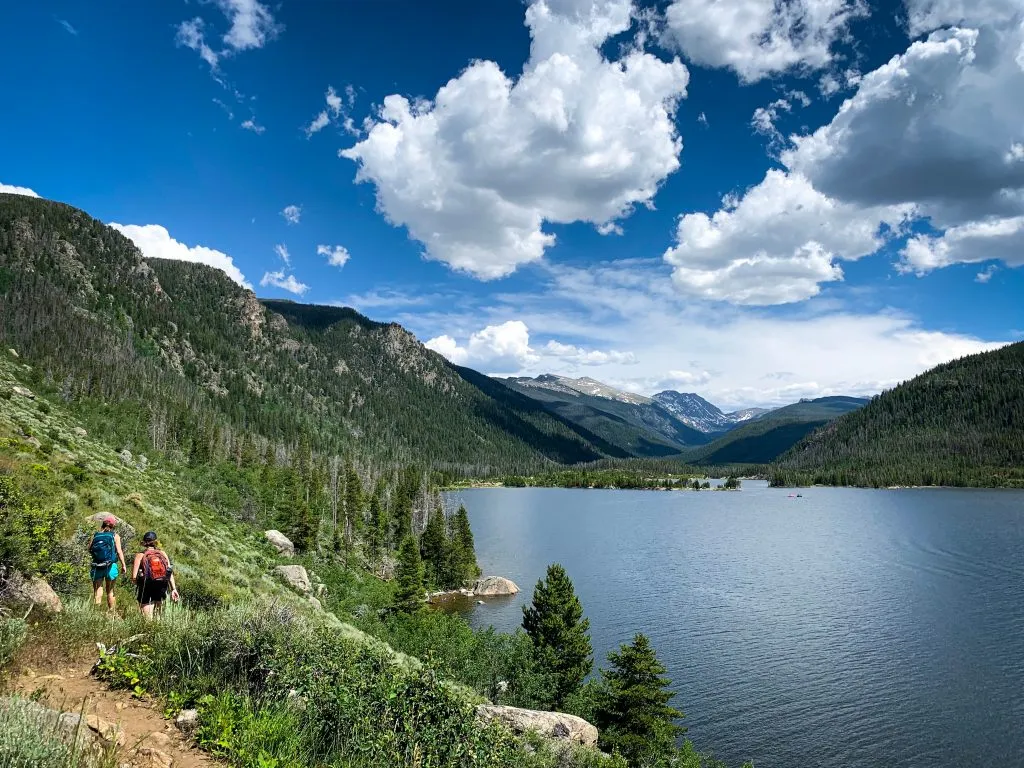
point(111, 597)
point(97, 591)
point(147, 612)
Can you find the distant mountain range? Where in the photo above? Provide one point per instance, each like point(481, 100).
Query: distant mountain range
point(680, 423)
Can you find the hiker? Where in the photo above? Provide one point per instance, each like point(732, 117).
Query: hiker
point(153, 574)
point(105, 548)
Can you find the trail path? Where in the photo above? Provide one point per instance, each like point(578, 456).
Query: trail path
point(149, 741)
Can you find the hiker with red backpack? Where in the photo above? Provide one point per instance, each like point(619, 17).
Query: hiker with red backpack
point(105, 548)
point(153, 575)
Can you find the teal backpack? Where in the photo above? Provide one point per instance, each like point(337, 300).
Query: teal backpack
point(102, 548)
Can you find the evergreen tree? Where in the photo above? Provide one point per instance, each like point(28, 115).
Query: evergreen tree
point(377, 535)
point(559, 633)
point(353, 505)
point(434, 548)
point(462, 552)
point(409, 577)
point(633, 713)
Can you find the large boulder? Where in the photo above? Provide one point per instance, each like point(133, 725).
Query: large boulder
point(125, 528)
point(281, 543)
point(295, 576)
point(24, 392)
point(35, 591)
point(493, 586)
point(556, 725)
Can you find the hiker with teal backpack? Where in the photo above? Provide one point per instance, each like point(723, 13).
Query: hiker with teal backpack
point(105, 548)
point(153, 574)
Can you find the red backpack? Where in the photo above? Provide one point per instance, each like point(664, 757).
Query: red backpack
point(155, 565)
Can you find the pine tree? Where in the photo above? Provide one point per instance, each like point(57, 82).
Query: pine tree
point(409, 577)
point(434, 548)
point(633, 714)
point(462, 552)
point(353, 505)
point(377, 535)
point(558, 630)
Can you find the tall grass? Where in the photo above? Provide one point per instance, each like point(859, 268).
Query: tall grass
point(32, 736)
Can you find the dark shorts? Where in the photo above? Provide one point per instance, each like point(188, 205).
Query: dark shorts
point(151, 592)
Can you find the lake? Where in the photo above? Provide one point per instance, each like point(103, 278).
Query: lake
point(844, 628)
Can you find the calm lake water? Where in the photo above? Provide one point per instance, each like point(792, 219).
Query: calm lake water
point(845, 628)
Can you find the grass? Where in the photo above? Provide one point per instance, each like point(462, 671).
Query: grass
point(32, 736)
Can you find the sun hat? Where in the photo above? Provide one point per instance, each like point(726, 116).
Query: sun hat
point(110, 520)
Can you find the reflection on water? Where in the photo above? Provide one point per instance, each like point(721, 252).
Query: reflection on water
point(844, 628)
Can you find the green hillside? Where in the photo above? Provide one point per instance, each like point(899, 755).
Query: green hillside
point(961, 423)
point(190, 359)
point(766, 437)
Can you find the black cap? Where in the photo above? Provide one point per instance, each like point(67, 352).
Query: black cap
point(149, 536)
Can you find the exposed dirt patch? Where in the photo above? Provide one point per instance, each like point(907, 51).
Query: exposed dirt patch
point(148, 739)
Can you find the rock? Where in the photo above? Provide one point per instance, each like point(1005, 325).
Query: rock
point(158, 740)
point(13, 353)
point(34, 442)
point(142, 463)
point(315, 603)
point(66, 726)
point(295, 576)
point(24, 392)
point(280, 542)
point(150, 757)
point(35, 591)
point(80, 431)
point(494, 585)
point(187, 720)
point(556, 725)
point(126, 457)
point(107, 731)
point(126, 529)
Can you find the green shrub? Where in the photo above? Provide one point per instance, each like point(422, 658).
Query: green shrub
point(6, 393)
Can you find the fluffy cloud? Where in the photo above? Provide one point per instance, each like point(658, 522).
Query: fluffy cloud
point(292, 214)
point(13, 190)
point(337, 255)
point(252, 125)
point(192, 34)
point(946, 113)
point(759, 38)
point(776, 245)
point(506, 348)
point(971, 243)
point(156, 242)
point(927, 15)
point(475, 173)
point(285, 282)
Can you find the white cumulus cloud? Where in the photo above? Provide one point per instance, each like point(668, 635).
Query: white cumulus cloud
point(775, 245)
point(292, 214)
point(252, 24)
point(337, 255)
point(156, 242)
point(759, 38)
point(505, 348)
point(15, 190)
point(476, 172)
point(285, 282)
point(970, 243)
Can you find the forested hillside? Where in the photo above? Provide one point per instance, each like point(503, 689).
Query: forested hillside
point(192, 363)
point(961, 423)
point(764, 438)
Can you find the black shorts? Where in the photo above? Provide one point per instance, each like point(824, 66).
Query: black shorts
point(151, 592)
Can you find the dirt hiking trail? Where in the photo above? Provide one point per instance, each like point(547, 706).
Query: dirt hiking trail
point(145, 738)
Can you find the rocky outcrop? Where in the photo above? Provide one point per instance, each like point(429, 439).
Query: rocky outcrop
point(80, 431)
point(493, 586)
point(35, 591)
point(125, 528)
point(280, 542)
point(295, 576)
point(556, 725)
point(21, 391)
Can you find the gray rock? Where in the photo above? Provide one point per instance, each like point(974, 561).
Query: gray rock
point(492, 586)
point(35, 591)
point(280, 542)
point(142, 463)
point(556, 725)
point(23, 392)
point(13, 353)
point(80, 431)
point(295, 576)
point(126, 457)
point(125, 528)
point(187, 720)
point(34, 442)
point(315, 603)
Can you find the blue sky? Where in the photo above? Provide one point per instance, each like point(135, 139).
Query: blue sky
point(750, 201)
